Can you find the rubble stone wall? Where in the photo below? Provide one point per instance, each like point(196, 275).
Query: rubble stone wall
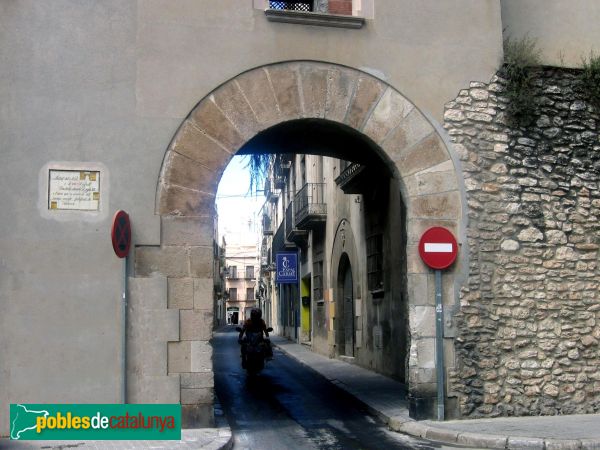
point(528, 328)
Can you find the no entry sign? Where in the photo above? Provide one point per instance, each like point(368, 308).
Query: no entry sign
point(121, 233)
point(438, 248)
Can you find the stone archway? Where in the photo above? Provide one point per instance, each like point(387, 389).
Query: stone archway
point(219, 126)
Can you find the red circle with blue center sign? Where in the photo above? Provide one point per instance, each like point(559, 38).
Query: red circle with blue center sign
point(121, 234)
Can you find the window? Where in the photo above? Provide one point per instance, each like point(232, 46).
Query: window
point(375, 262)
point(249, 293)
point(318, 280)
point(249, 271)
point(303, 5)
point(233, 272)
point(233, 294)
point(302, 170)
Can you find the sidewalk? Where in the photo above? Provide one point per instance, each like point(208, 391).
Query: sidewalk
point(386, 398)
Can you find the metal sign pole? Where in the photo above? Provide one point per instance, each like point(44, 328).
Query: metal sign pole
point(124, 333)
point(121, 241)
point(439, 344)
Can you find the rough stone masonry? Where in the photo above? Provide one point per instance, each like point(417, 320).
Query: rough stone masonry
point(528, 332)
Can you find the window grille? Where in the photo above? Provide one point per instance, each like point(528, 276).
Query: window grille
point(375, 262)
point(291, 5)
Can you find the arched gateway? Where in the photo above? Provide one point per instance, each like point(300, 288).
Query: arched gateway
point(213, 132)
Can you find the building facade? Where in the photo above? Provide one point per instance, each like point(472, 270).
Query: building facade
point(241, 275)
point(344, 219)
point(141, 104)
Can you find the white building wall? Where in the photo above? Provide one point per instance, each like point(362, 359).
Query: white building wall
point(109, 82)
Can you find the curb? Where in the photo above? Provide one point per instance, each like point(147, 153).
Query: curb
point(223, 442)
point(480, 440)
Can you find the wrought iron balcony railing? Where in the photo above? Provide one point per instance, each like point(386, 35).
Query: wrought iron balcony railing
point(267, 225)
point(271, 192)
point(292, 233)
point(309, 206)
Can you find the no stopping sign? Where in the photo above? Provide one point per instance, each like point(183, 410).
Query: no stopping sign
point(121, 234)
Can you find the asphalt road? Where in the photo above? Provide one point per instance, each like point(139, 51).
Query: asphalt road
point(288, 406)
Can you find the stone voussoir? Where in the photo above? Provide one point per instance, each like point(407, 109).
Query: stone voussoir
point(181, 201)
point(313, 80)
point(185, 172)
point(210, 119)
point(367, 93)
point(192, 142)
point(234, 104)
point(284, 79)
point(256, 88)
point(340, 87)
point(428, 152)
point(390, 111)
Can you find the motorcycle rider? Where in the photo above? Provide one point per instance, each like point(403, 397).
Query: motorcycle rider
point(255, 324)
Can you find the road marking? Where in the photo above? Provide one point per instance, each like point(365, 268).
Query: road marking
point(438, 248)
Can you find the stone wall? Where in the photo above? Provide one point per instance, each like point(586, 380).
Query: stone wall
point(528, 330)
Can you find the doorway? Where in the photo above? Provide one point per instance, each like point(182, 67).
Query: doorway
point(346, 310)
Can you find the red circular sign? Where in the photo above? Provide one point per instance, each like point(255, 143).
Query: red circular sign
point(438, 248)
point(121, 233)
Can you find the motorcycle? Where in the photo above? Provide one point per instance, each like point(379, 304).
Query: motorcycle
point(255, 349)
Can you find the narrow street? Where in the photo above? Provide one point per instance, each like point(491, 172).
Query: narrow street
point(288, 406)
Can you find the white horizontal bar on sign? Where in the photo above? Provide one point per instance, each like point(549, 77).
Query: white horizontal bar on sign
point(438, 248)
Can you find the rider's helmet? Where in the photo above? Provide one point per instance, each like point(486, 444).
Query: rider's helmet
point(255, 314)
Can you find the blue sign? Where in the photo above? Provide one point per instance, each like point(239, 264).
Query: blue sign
point(286, 268)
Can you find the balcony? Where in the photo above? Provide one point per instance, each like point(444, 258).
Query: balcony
point(310, 209)
point(279, 182)
point(271, 192)
point(355, 179)
point(280, 243)
point(292, 233)
point(284, 162)
point(267, 226)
